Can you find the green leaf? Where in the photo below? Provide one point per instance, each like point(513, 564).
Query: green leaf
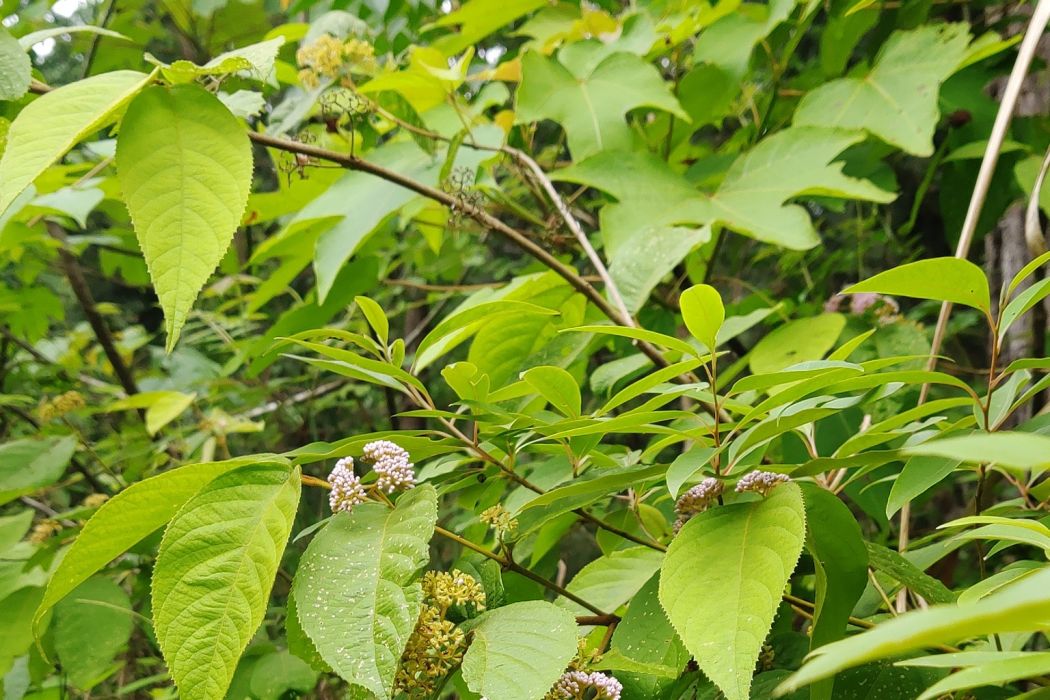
point(1021, 304)
point(355, 590)
point(686, 465)
point(594, 484)
point(33, 38)
point(477, 19)
point(556, 386)
point(751, 200)
point(276, 674)
point(722, 581)
point(376, 317)
point(840, 561)
point(255, 61)
point(610, 581)
point(645, 636)
point(728, 43)
point(1005, 670)
point(162, 407)
point(216, 565)
point(897, 100)
point(16, 70)
point(51, 124)
point(185, 166)
point(519, 651)
point(1010, 450)
point(29, 464)
point(907, 574)
point(941, 279)
point(91, 626)
point(1020, 607)
point(918, 476)
point(591, 102)
point(127, 518)
point(660, 339)
point(797, 341)
point(703, 313)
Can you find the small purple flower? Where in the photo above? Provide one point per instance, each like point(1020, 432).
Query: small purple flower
point(696, 500)
point(574, 684)
point(347, 490)
point(761, 482)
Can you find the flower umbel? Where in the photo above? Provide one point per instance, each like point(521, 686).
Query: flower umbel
point(446, 589)
point(392, 466)
point(347, 490)
point(761, 482)
point(498, 518)
point(573, 685)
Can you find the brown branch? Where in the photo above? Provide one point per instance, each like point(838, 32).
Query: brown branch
point(75, 275)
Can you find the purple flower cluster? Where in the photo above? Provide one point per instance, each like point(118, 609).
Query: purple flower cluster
point(696, 500)
point(761, 482)
point(347, 490)
point(574, 684)
point(391, 464)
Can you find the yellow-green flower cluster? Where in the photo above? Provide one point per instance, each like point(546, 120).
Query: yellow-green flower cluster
point(436, 646)
point(498, 518)
point(327, 57)
point(446, 589)
point(60, 406)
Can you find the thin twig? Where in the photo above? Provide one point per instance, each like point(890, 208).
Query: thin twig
point(574, 226)
point(82, 292)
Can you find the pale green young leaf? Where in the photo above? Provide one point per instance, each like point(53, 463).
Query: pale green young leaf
point(1020, 607)
point(919, 474)
point(375, 316)
point(15, 68)
point(1026, 271)
point(728, 43)
point(557, 386)
point(33, 38)
point(127, 518)
point(955, 280)
point(90, 627)
point(458, 326)
point(1007, 449)
point(185, 166)
point(162, 407)
point(994, 672)
point(801, 340)
point(592, 106)
point(703, 313)
point(519, 651)
point(722, 580)
point(32, 463)
point(611, 580)
point(1021, 304)
point(477, 19)
point(53, 123)
point(355, 590)
point(659, 339)
point(214, 571)
point(897, 100)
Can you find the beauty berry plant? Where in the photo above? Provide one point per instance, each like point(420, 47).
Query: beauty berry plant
point(523, 349)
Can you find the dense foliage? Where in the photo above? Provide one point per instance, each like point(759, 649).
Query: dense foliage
point(521, 349)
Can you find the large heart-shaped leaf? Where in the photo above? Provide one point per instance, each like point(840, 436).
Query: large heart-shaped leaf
point(722, 581)
point(185, 165)
point(214, 571)
point(519, 651)
point(355, 592)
